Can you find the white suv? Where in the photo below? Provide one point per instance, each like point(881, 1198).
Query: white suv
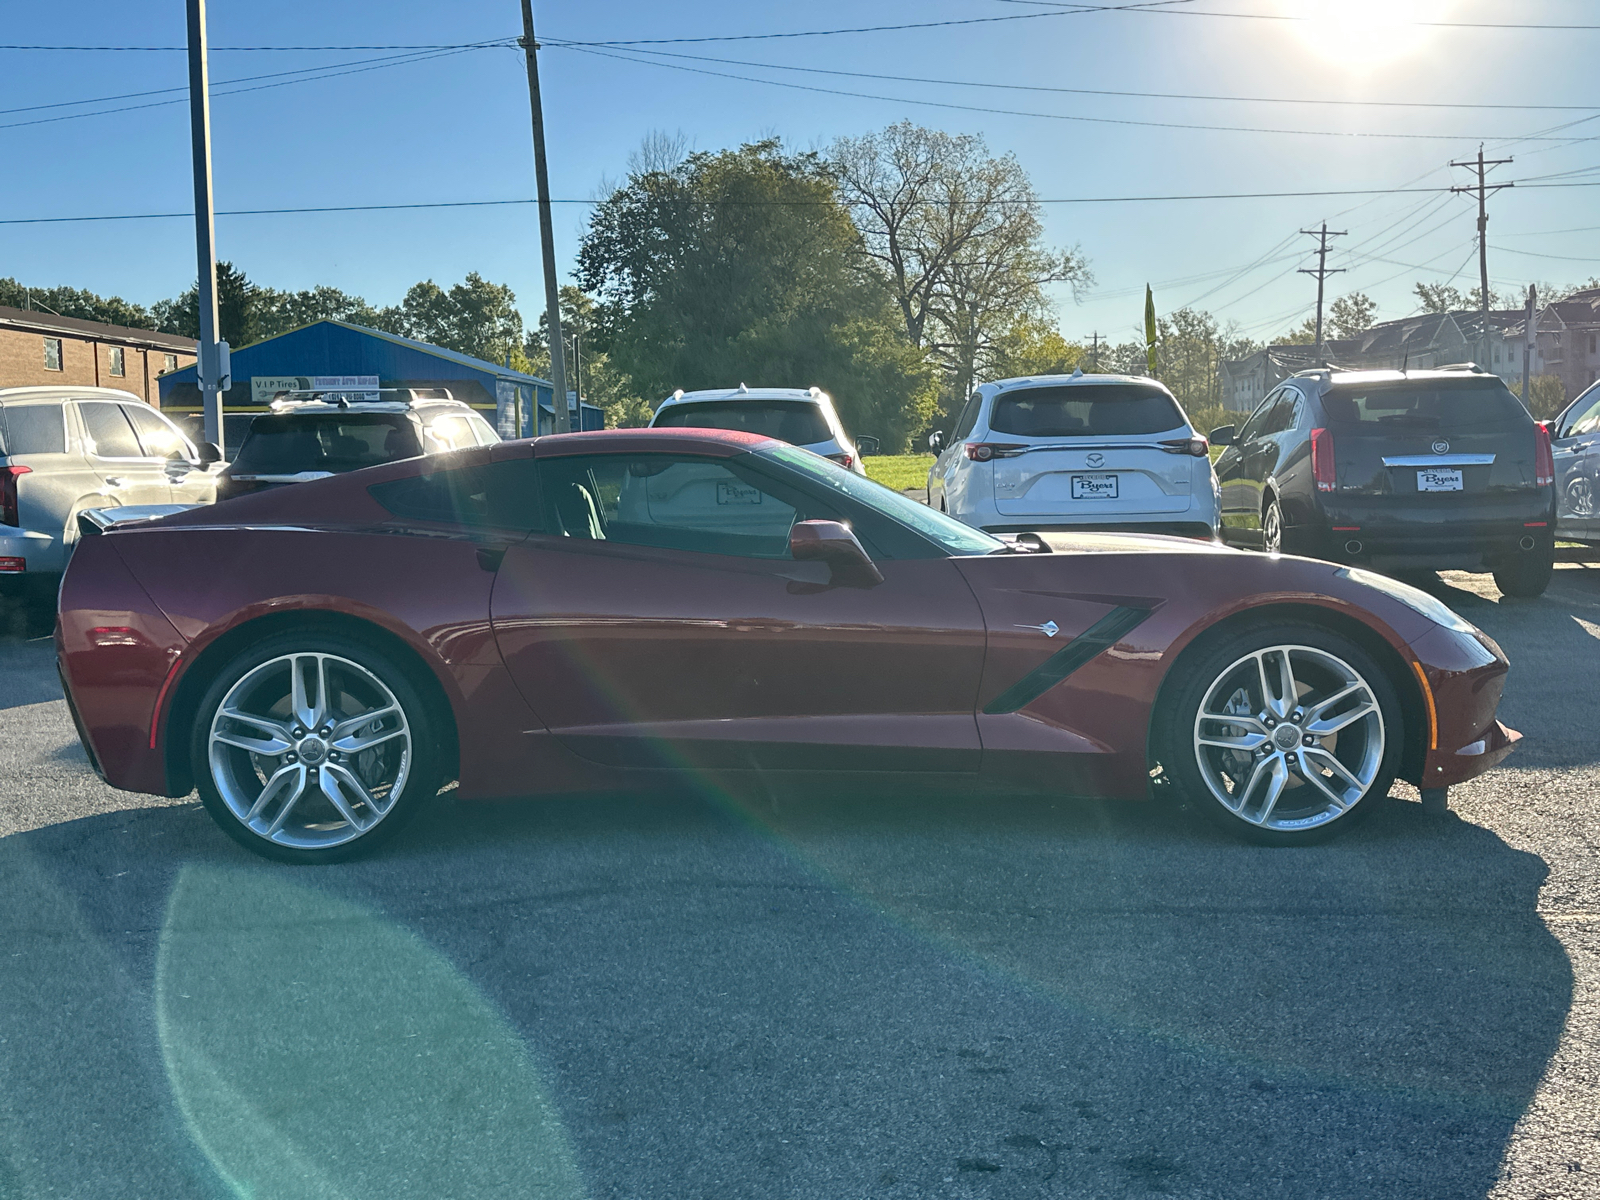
point(1065, 452)
point(801, 417)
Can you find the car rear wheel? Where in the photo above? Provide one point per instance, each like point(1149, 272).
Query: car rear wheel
point(1528, 574)
point(311, 748)
point(1283, 734)
point(1272, 527)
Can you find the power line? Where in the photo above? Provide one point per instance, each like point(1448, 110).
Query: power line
point(632, 57)
point(556, 43)
point(1195, 12)
point(507, 41)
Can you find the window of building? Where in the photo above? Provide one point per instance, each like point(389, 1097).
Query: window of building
point(169, 362)
point(119, 365)
point(52, 354)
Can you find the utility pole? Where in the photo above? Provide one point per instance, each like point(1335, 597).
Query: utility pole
point(1322, 235)
point(1529, 339)
point(1483, 191)
point(1094, 359)
point(547, 240)
point(211, 369)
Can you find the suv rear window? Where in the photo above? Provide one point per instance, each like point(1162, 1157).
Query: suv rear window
point(1435, 404)
point(289, 444)
point(1085, 410)
point(32, 429)
point(798, 422)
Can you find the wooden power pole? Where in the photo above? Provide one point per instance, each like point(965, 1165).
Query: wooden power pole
point(1321, 271)
point(547, 240)
point(1483, 191)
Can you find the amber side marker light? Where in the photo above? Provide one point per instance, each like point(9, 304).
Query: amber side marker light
point(1433, 713)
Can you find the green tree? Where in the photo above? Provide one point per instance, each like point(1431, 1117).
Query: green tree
point(743, 266)
point(1350, 315)
point(475, 317)
point(1549, 395)
point(279, 312)
point(75, 302)
point(1033, 346)
point(238, 309)
point(590, 371)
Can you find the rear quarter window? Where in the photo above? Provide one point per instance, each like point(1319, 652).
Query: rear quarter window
point(1085, 410)
point(1424, 405)
point(32, 429)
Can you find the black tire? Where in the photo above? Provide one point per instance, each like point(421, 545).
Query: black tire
point(1528, 574)
point(357, 674)
point(1272, 534)
point(1310, 814)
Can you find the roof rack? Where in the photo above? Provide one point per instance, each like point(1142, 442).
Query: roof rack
point(1473, 367)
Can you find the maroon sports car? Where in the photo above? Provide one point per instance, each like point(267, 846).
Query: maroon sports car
point(593, 610)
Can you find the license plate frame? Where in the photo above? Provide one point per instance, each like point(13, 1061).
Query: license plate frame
point(1095, 486)
point(1440, 479)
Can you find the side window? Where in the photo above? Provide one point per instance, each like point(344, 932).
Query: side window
point(483, 430)
point(32, 429)
point(968, 418)
point(1283, 413)
point(1253, 427)
point(159, 437)
point(109, 430)
point(704, 505)
point(1585, 416)
point(500, 495)
point(447, 429)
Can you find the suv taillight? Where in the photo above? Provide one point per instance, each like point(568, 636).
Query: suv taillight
point(984, 451)
point(8, 493)
point(1197, 446)
point(1322, 469)
point(1544, 462)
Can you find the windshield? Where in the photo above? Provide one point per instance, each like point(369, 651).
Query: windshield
point(800, 422)
point(287, 445)
point(1449, 403)
point(1085, 410)
point(950, 535)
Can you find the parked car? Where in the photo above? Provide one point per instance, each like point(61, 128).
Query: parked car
point(64, 450)
point(1062, 452)
point(311, 435)
point(604, 610)
point(1575, 451)
point(801, 417)
point(1418, 470)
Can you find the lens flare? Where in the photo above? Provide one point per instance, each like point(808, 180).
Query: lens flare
point(1363, 34)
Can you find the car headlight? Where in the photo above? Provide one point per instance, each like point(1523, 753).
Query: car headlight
point(1418, 600)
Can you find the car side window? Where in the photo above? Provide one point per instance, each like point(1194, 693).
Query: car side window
point(1282, 416)
point(159, 438)
point(968, 418)
point(1252, 427)
point(1585, 418)
point(109, 431)
point(32, 429)
point(704, 505)
point(497, 495)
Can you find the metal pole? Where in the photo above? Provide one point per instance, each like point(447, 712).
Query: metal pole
point(547, 241)
point(208, 369)
point(1529, 337)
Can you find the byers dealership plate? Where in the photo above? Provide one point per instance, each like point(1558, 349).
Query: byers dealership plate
point(1094, 487)
point(1439, 480)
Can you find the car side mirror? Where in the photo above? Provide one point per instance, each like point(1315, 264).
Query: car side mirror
point(210, 453)
point(867, 444)
point(1223, 435)
point(833, 543)
point(935, 441)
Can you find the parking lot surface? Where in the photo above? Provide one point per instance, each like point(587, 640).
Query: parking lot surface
point(712, 994)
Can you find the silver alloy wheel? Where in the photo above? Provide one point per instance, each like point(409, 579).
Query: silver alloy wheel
point(1272, 529)
point(310, 750)
point(1289, 738)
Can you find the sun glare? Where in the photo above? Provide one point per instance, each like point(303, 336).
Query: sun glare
point(1363, 34)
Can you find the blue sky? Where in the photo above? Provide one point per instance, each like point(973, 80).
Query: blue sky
point(455, 127)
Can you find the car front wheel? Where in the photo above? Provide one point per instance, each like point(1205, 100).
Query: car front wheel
point(313, 748)
point(1283, 734)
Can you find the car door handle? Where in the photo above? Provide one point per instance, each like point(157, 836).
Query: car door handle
point(116, 481)
point(490, 558)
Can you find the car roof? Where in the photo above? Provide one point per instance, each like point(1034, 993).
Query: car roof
point(1076, 379)
point(1358, 378)
point(719, 443)
point(47, 392)
point(814, 395)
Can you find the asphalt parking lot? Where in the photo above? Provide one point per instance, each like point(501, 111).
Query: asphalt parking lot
point(829, 996)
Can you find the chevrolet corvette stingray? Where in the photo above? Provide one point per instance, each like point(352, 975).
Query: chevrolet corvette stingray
point(608, 610)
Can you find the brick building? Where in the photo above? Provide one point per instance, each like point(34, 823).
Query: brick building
point(38, 349)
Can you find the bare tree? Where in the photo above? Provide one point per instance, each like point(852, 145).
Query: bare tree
point(956, 234)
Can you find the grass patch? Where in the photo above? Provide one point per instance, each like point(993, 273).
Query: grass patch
point(898, 471)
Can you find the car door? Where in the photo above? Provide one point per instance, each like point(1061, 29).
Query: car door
point(951, 457)
point(657, 619)
point(1575, 447)
point(1236, 475)
point(190, 483)
point(128, 474)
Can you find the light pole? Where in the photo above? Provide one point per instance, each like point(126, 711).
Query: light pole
point(547, 241)
point(212, 369)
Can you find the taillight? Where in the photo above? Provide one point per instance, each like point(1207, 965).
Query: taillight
point(984, 451)
point(844, 460)
point(13, 566)
point(1544, 462)
point(1197, 446)
point(1322, 469)
point(8, 494)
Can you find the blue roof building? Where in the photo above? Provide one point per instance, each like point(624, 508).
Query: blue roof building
point(307, 357)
